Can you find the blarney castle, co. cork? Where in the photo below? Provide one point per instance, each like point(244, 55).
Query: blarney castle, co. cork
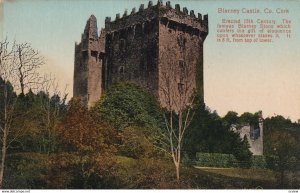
point(159, 48)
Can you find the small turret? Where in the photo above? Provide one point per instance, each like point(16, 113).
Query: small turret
point(90, 30)
point(90, 35)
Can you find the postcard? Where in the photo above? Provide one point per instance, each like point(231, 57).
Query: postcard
point(138, 94)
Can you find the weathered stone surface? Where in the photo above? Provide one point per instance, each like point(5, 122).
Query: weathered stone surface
point(154, 48)
point(256, 143)
point(88, 65)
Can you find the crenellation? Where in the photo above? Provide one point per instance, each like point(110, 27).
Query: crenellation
point(185, 11)
point(200, 16)
point(154, 12)
point(117, 16)
point(133, 19)
point(107, 19)
point(107, 22)
point(133, 10)
point(150, 4)
point(159, 2)
point(125, 13)
point(205, 22)
point(141, 7)
point(168, 5)
point(192, 13)
point(182, 27)
point(177, 8)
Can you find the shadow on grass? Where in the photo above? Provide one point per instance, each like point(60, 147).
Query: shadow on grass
point(206, 179)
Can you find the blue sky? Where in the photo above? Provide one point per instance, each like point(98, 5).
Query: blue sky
point(238, 76)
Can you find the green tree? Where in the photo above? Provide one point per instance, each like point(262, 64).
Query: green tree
point(125, 104)
point(283, 148)
point(249, 118)
point(209, 133)
point(242, 153)
point(230, 118)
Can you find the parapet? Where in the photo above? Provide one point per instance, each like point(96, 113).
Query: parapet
point(157, 11)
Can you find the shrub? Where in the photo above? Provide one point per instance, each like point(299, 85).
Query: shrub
point(259, 162)
point(25, 170)
point(215, 160)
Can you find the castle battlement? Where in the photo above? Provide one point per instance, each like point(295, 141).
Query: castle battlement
point(178, 19)
point(142, 47)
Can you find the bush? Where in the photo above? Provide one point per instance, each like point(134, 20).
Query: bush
point(259, 162)
point(187, 160)
point(215, 160)
point(138, 143)
point(143, 173)
point(25, 170)
point(228, 160)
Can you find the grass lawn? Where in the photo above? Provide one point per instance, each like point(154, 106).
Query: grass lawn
point(254, 174)
point(231, 178)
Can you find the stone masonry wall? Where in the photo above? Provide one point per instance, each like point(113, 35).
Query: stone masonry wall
point(131, 55)
point(180, 51)
point(145, 47)
point(80, 73)
point(181, 38)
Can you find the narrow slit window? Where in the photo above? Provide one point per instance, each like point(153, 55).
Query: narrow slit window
point(122, 44)
point(181, 64)
point(121, 70)
point(180, 88)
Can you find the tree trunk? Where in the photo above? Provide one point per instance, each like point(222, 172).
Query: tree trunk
point(3, 154)
point(4, 139)
point(177, 172)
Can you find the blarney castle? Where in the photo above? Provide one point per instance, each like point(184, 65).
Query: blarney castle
point(159, 48)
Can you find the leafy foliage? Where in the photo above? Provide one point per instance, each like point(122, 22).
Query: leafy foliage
point(69, 146)
point(215, 160)
point(208, 133)
point(26, 170)
point(243, 154)
point(126, 104)
point(137, 143)
point(249, 118)
point(279, 126)
point(36, 124)
point(230, 118)
point(87, 150)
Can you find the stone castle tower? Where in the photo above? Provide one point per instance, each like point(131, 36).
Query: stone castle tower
point(158, 48)
point(254, 134)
